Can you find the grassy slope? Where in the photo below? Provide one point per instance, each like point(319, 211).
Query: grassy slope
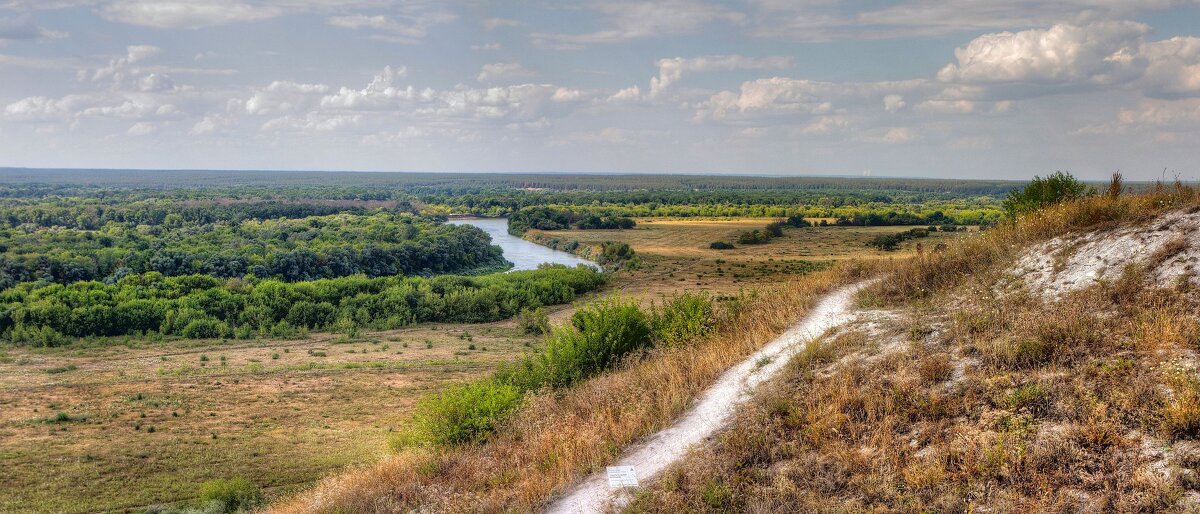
point(557, 438)
point(970, 393)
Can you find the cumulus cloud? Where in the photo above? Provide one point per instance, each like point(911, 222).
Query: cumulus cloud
point(1064, 56)
point(1097, 53)
point(671, 71)
point(72, 108)
point(503, 71)
point(282, 97)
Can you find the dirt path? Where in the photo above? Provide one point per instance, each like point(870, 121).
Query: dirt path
point(711, 411)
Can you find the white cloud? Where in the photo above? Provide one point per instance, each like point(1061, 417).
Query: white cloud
point(894, 103)
point(1070, 57)
point(503, 71)
point(486, 47)
point(1098, 53)
point(1173, 66)
point(142, 128)
point(672, 70)
point(495, 23)
point(312, 122)
point(824, 20)
point(211, 124)
point(282, 97)
point(409, 26)
point(637, 20)
point(186, 14)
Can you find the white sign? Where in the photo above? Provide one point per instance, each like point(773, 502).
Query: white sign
point(621, 476)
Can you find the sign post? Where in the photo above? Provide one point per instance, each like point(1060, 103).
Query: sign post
point(621, 476)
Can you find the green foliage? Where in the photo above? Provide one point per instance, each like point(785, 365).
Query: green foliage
point(460, 414)
point(684, 318)
point(721, 245)
point(534, 321)
point(233, 494)
point(545, 218)
point(797, 221)
point(617, 255)
point(891, 242)
point(198, 306)
point(1043, 192)
point(754, 237)
point(597, 338)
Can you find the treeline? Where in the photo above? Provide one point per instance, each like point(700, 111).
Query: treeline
point(544, 218)
point(85, 213)
point(201, 306)
point(894, 218)
point(598, 337)
point(766, 234)
point(461, 183)
point(309, 248)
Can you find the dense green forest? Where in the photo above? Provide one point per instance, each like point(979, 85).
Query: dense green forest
point(544, 218)
point(308, 248)
point(202, 306)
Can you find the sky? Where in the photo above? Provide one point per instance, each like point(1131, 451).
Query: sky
point(932, 88)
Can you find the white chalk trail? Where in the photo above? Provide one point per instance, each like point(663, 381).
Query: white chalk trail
point(713, 409)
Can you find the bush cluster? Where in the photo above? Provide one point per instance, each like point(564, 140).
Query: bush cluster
point(598, 337)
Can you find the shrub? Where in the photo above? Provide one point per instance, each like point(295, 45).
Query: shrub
point(1043, 192)
point(798, 221)
point(683, 318)
point(234, 494)
point(204, 328)
point(721, 245)
point(598, 337)
point(534, 321)
point(462, 414)
point(754, 237)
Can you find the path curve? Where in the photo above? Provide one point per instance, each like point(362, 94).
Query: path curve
point(712, 410)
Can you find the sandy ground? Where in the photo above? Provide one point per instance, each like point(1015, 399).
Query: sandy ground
point(712, 411)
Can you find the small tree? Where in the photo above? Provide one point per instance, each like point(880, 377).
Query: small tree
point(1043, 192)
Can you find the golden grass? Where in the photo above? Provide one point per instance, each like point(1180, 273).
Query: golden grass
point(557, 438)
point(275, 412)
point(1013, 403)
point(676, 256)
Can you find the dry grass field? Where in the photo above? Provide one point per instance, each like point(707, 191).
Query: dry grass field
point(676, 256)
point(122, 427)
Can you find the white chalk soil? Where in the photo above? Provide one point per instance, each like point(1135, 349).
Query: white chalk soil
point(1169, 246)
point(712, 411)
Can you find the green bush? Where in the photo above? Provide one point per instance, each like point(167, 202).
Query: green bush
point(234, 494)
point(682, 319)
point(720, 245)
point(534, 321)
point(462, 414)
point(598, 337)
point(204, 328)
point(1043, 192)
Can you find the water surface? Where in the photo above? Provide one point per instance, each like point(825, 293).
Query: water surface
point(523, 254)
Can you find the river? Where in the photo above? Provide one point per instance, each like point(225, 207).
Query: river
point(523, 254)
